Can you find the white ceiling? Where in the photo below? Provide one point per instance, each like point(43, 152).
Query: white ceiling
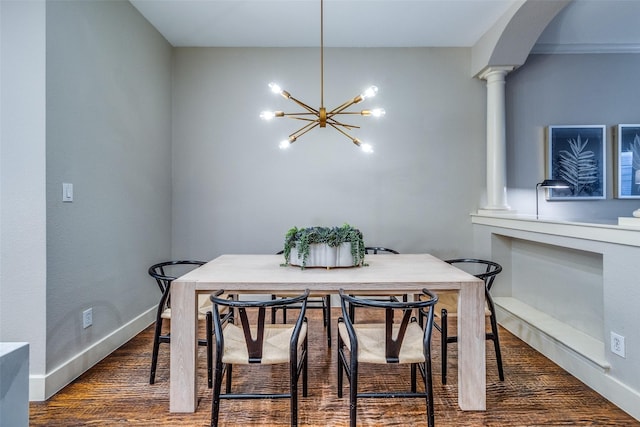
point(347, 23)
point(582, 26)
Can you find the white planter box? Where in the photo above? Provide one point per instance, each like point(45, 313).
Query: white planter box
point(323, 255)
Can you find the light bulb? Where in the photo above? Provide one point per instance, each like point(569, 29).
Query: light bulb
point(275, 88)
point(267, 115)
point(378, 112)
point(367, 148)
point(284, 144)
point(369, 93)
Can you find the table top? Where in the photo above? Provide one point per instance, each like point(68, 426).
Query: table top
point(259, 273)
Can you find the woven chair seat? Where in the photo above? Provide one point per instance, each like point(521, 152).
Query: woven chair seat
point(449, 301)
point(371, 338)
point(204, 305)
point(275, 348)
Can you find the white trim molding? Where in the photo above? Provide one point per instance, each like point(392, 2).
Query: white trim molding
point(42, 387)
point(583, 48)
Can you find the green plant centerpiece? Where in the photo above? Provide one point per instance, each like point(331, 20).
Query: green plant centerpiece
point(324, 247)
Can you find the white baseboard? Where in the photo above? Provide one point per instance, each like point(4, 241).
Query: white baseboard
point(581, 367)
point(42, 387)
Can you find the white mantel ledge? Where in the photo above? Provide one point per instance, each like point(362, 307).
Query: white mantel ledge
point(599, 231)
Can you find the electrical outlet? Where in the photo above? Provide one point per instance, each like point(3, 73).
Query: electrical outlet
point(617, 344)
point(87, 318)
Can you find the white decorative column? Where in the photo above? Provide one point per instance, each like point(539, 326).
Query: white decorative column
point(496, 138)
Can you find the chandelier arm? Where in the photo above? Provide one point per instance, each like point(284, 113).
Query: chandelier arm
point(354, 140)
point(348, 127)
point(340, 108)
point(344, 106)
point(297, 116)
point(303, 105)
point(297, 134)
point(334, 122)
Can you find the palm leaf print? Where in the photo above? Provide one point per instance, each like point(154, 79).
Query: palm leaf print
point(578, 167)
point(635, 149)
point(635, 156)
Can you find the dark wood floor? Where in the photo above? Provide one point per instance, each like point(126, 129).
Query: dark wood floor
point(536, 392)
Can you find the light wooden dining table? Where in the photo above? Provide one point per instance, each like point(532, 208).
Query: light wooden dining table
point(382, 275)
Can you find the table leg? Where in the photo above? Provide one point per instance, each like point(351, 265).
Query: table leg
point(472, 371)
point(184, 325)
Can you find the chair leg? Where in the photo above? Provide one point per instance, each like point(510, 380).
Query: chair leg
point(209, 327)
point(496, 343)
point(428, 386)
point(340, 366)
point(327, 316)
point(273, 311)
point(293, 391)
point(413, 378)
point(229, 374)
point(353, 391)
point(352, 312)
point(443, 344)
point(325, 304)
point(217, 385)
point(156, 348)
point(305, 369)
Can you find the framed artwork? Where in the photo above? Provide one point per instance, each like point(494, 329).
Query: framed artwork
point(576, 154)
point(627, 162)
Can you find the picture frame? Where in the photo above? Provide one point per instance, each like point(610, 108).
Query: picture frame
point(577, 155)
point(627, 161)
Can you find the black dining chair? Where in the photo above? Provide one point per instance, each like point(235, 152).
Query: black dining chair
point(374, 250)
point(315, 301)
point(165, 273)
point(395, 337)
point(448, 306)
point(247, 339)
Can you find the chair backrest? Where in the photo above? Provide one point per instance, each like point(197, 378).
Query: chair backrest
point(252, 320)
point(410, 313)
point(166, 272)
point(379, 249)
point(482, 269)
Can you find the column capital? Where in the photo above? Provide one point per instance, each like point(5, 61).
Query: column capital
point(498, 70)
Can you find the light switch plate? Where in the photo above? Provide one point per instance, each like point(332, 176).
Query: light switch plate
point(67, 192)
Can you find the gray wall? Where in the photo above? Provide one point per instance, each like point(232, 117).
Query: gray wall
point(589, 89)
point(108, 133)
point(235, 191)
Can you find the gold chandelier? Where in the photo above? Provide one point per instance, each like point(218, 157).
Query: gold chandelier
point(321, 117)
